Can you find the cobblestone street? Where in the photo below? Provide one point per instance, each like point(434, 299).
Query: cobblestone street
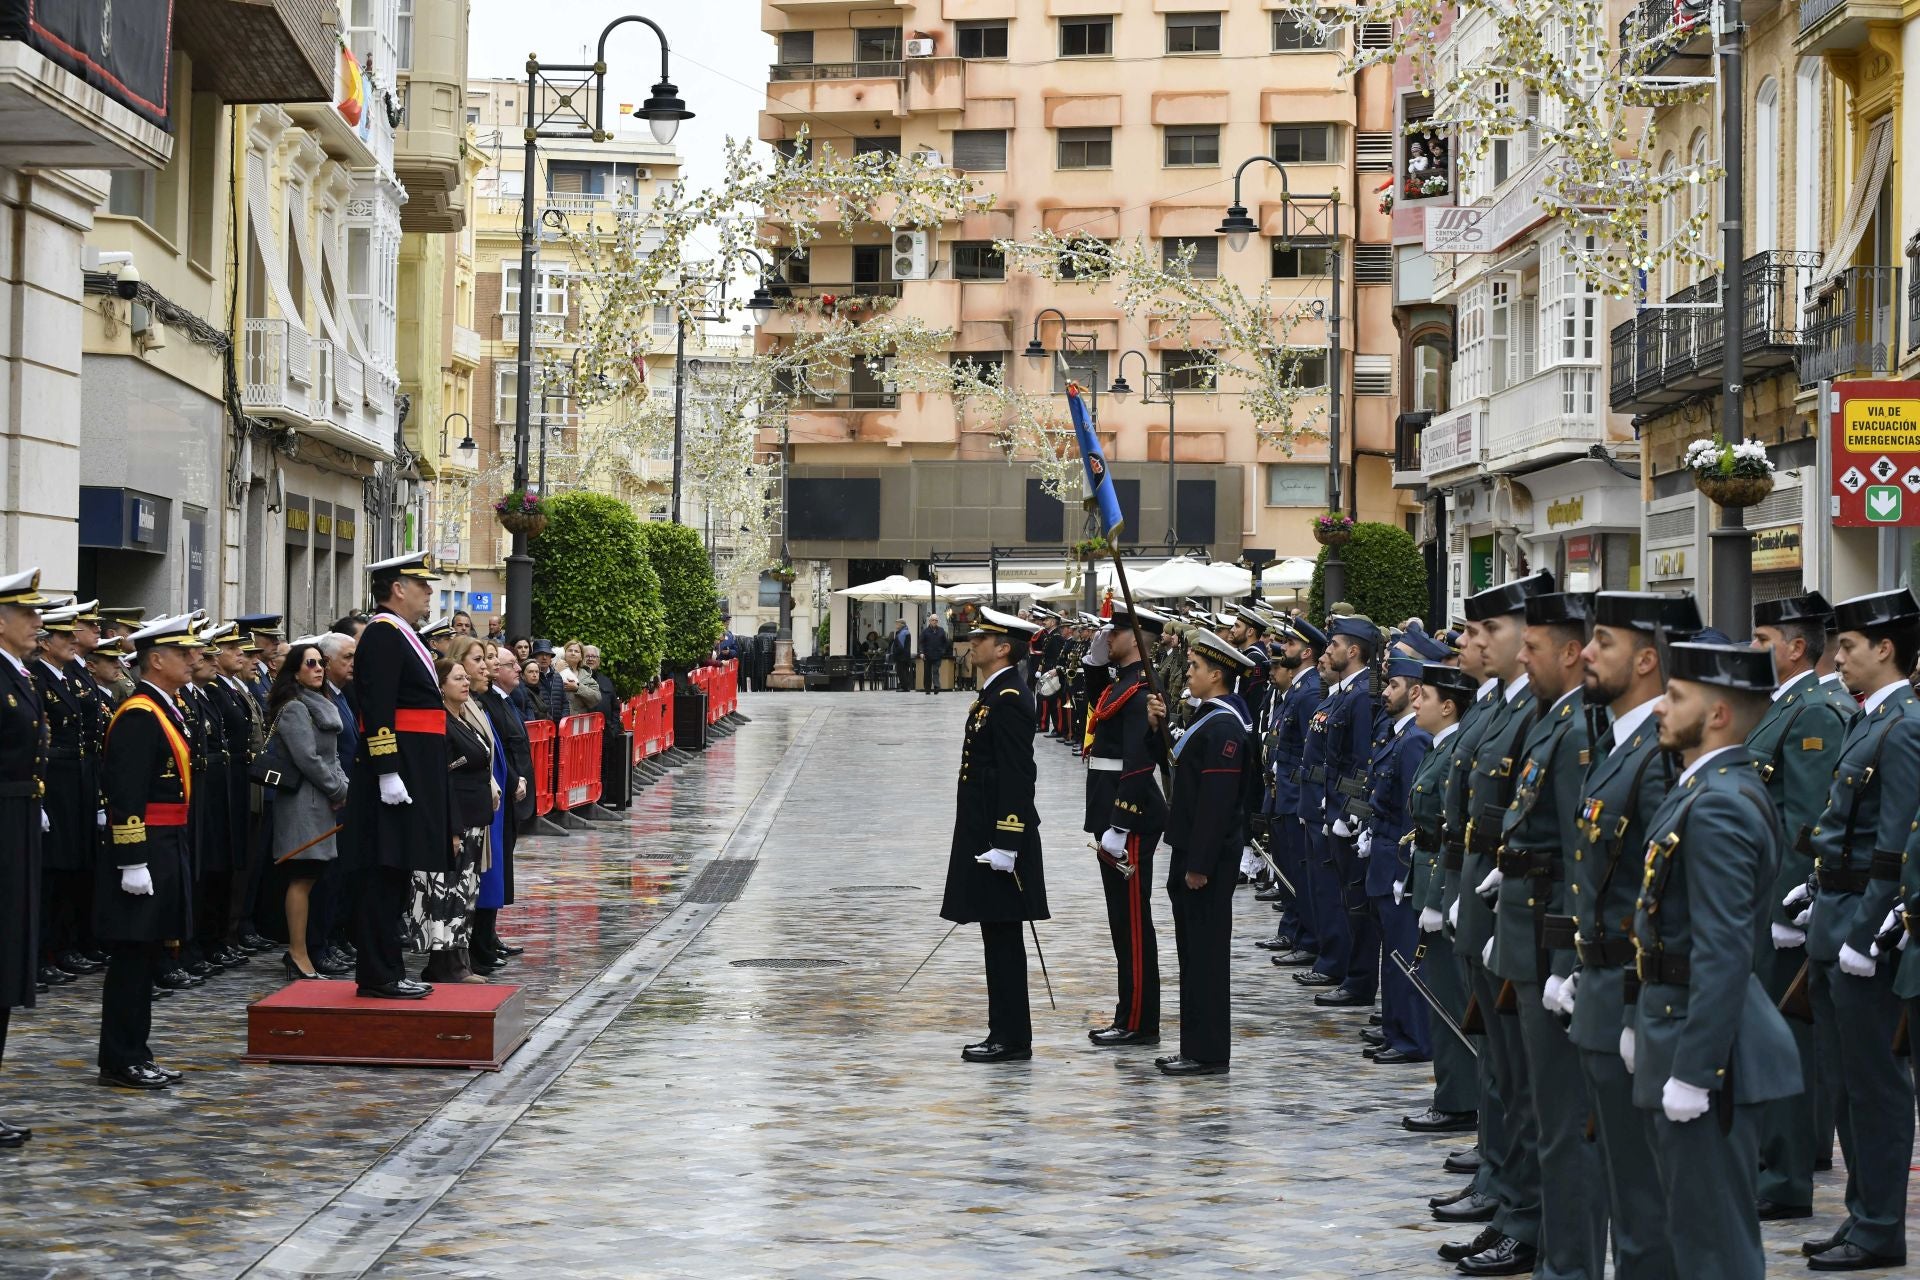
point(687, 1109)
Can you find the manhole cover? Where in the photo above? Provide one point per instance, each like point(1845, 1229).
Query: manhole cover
point(876, 888)
point(787, 962)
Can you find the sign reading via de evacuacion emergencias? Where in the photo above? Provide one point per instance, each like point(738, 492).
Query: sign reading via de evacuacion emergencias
point(1875, 434)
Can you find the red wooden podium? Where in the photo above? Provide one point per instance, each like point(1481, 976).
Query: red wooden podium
point(461, 1024)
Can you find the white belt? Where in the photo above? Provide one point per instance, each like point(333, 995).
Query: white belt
point(1105, 764)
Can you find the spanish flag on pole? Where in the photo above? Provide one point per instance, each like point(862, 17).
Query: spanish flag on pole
point(353, 88)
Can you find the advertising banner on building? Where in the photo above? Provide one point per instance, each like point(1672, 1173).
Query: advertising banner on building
point(1874, 434)
point(123, 50)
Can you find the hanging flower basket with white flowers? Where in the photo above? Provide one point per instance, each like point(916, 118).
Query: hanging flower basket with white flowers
point(1732, 475)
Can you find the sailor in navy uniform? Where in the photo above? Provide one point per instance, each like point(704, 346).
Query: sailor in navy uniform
point(23, 771)
point(995, 877)
point(1386, 848)
point(1215, 775)
point(1248, 634)
point(1350, 957)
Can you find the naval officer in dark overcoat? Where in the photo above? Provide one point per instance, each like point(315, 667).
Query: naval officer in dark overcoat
point(397, 810)
point(23, 771)
point(994, 873)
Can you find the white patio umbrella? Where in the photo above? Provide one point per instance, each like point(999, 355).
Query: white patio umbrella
point(1180, 578)
point(1293, 574)
point(893, 589)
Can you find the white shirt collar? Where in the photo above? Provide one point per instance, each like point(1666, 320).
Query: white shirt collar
point(1787, 684)
point(1487, 686)
point(1699, 764)
point(1881, 694)
point(1446, 733)
point(49, 666)
point(502, 692)
point(1401, 723)
point(1627, 724)
point(1832, 677)
point(995, 676)
point(18, 665)
point(1518, 687)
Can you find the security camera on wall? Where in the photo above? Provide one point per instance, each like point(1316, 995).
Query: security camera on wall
point(127, 287)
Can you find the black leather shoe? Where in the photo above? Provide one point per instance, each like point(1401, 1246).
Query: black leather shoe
point(399, 989)
point(1774, 1211)
point(1188, 1067)
point(1107, 1037)
point(96, 955)
point(1315, 978)
point(75, 963)
point(234, 957)
point(165, 1073)
point(1343, 999)
point(162, 993)
point(332, 964)
point(506, 949)
point(1398, 1057)
point(13, 1135)
point(201, 969)
point(485, 963)
point(1509, 1257)
point(1467, 1161)
point(49, 977)
point(1270, 895)
point(1848, 1256)
point(1820, 1244)
point(1431, 1121)
point(176, 980)
point(255, 943)
point(1372, 1037)
point(1295, 959)
point(1373, 1051)
point(1485, 1240)
point(1823, 1165)
point(1375, 1020)
point(1279, 945)
point(988, 1051)
point(138, 1076)
point(1435, 1202)
point(1475, 1207)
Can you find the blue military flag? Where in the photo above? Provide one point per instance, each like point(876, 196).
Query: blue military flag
point(1099, 483)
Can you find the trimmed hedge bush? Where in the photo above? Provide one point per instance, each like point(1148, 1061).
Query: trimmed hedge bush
point(1386, 577)
point(687, 590)
point(594, 581)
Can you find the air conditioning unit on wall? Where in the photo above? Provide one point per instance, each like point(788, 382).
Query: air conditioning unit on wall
point(920, 48)
point(912, 257)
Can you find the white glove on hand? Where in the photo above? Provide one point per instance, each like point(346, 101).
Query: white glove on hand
point(1683, 1102)
point(1113, 843)
point(100, 819)
point(1430, 920)
point(1342, 828)
point(392, 790)
point(1486, 952)
point(1363, 847)
point(1189, 699)
point(46, 824)
point(1626, 1048)
point(1891, 922)
point(1399, 892)
point(1859, 966)
point(1097, 655)
point(1786, 938)
point(1800, 921)
point(1568, 991)
point(136, 880)
point(1550, 992)
point(1453, 914)
point(998, 859)
point(1250, 864)
point(1801, 895)
point(1491, 884)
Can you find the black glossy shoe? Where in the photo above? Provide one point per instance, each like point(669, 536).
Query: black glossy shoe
point(138, 1076)
point(201, 969)
point(1280, 945)
point(12, 1135)
point(1467, 1161)
point(1399, 1058)
point(1270, 895)
point(75, 963)
point(485, 963)
point(988, 1051)
point(1509, 1257)
point(1774, 1211)
point(293, 970)
point(1372, 1037)
point(1474, 1207)
point(1295, 959)
point(332, 964)
point(235, 956)
point(160, 992)
point(1435, 1202)
point(1109, 1037)
point(176, 980)
point(165, 1073)
point(1343, 999)
point(398, 989)
point(1432, 1121)
point(256, 944)
point(1820, 1244)
point(506, 949)
point(1823, 1165)
point(1315, 978)
point(1179, 1066)
point(1485, 1240)
point(49, 977)
point(1376, 1020)
point(1373, 1051)
point(1848, 1256)
point(96, 955)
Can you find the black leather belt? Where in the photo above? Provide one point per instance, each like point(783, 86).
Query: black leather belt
point(1604, 953)
point(1534, 864)
point(1886, 864)
point(1558, 933)
point(1317, 775)
point(1841, 880)
point(1456, 855)
point(1427, 837)
point(1661, 966)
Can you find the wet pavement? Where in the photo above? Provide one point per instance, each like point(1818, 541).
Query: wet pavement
point(729, 1083)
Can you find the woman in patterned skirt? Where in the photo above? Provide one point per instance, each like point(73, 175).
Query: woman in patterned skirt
point(441, 921)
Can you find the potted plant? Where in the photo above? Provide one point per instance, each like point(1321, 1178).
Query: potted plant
point(782, 573)
point(1089, 549)
point(1732, 475)
point(522, 511)
point(1332, 528)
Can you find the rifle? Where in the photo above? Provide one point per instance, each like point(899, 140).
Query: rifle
point(1473, 1021)
point(1507, 1000)
point(1796, 1001)
point(1426, 993)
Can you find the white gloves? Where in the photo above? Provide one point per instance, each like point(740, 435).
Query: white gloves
point(136, 880)
point(1399, 892)
point(1626, 1048)
point(1341, 827)
point(1892, 922)
point(1097, 655)
point(1491, 884)
point(1113, 843)
point(1786, 938)
point(1486, 952)
point(998, 859)
point(1859, 966)
point(1683, 1102)
point(1363, 847)
point(1568, 990)
point(1250, 863)
point(1802, 896)
point(1430, 920)
point(392, 790)
point(1189, 699)
point(1453, 913)
point(1550, 992)
point(100, 819)
point(46, 824)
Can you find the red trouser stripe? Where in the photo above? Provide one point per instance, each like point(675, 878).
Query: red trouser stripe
point(1133, 911)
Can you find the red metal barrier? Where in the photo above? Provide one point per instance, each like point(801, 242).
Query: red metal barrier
point(730, 686)
point(580, 757)
point(540, 741)
point(666, 715)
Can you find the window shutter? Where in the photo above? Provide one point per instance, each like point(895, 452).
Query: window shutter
point(980, 150)
point(1206, 257)
point(1373, 375)
point(1373, 264)
point(1376, 35)
point(1373, 151)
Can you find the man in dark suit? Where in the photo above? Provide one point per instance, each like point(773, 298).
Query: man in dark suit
point(994, 872)
point(23, 770)
point(512, 733)
point(935, 649)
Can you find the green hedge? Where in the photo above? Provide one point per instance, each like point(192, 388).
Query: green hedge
point(594, 581)
point(1386, 576)
point(687, 590)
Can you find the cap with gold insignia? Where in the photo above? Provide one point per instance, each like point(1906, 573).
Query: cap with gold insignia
point(1252, 617)
point(1508, 597)
point(440, 625)
point(417, 564)
point(263, 622)
point(125, 615)
point(215, 634)
point(61, 620)
point(113, 651)
point(1356, 627)
point(992, 622)
point(174, 632)
point(1314, 636)
point(89, 613)
point(23, 591)
point(1208, 645)
point(1731, 666)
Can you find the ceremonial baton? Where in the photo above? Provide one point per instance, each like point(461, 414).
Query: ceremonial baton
point(1035, 930)
point(1433, 1001)
point(930, 955)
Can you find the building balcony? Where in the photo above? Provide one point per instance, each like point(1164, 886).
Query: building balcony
point(1852, 326)
point(1409, 471)
point(1827, 25)
point(547, 329)
point(1662, 358)
point(844, 400)
point(259, 50)
point(50, 118)
point(1668, 41)
point(867, 90)
point(465, 348)
point(807, 8)
point(279, 371)
point(310, 384)
point(1550, 417)
point(427, 150)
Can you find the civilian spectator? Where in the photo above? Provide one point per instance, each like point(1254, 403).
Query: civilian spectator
point(332, 906)
point(441, 921)
point(934, 649)
point(462, 623)
point(306, 723)
point(523, 649)
point(487, 950)
point(902, 655)
point(523, 694)
point(583, 693)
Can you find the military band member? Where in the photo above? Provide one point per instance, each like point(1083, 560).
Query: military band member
point(1214, 776)
point(1795, 746)
point(1859, 843)
point(1708, 1044)
point(23, 772)
point(995, 876)
point(1127, 813)
point(397, 811)
point(72, 802)
point(143, 882)
point(1385, 846)
point(1301, 926)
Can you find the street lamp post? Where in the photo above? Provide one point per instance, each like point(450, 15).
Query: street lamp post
point(564, 118)
point(1121, 390)
point(1036, 355)
point(1731, 542)
point(1237, 227)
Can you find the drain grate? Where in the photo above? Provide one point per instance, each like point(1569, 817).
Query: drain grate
point(787, 962)
point(875, 888)
point(721, 881)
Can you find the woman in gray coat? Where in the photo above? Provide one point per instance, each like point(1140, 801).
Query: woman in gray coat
point(306, 724)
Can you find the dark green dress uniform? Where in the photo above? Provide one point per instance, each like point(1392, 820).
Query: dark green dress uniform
point(1702, 1016)
point(1456, 1088)
point(1533, 938)
point(1795, 747)
point(1858, 846)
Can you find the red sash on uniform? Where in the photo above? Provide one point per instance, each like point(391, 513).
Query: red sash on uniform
point(419, 720)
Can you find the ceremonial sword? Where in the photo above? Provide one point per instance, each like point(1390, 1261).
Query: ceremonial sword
point(1426, 993)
